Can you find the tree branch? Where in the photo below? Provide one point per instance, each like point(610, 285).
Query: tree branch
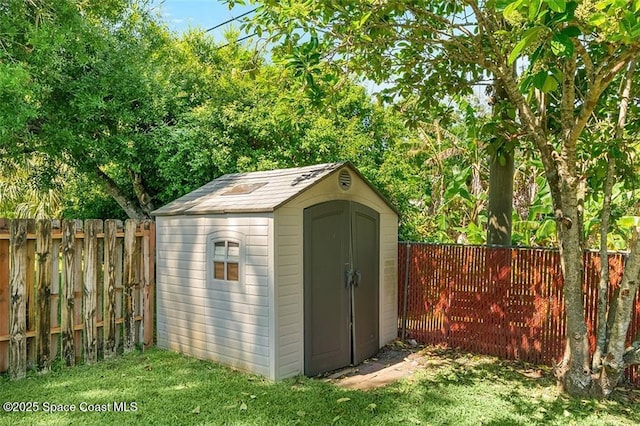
point(490, 27)
point(131, 208)
point(566, 113)
point(586, 60)
point(550, 158)
point(600, 83)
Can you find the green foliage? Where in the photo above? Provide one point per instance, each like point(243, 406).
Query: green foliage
point(385, 42)
point(425, 51)
point(260, 121)
point(85, 199)
point(88, 68)
point(30, 188)
point(103, 88)
point(111, 94)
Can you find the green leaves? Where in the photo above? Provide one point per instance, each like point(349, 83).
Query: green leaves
point(528, 39)
point(304, 61)
point(534, 9)
point(362, 21)
point(561, 45)
point(629, 221)
point(557, 5)
point(545, 82)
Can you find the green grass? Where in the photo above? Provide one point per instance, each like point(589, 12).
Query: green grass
point(168, 388)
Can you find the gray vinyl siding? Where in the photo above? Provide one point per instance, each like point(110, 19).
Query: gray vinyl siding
point(226, 322)
point(388, 277)
point(290, 322)
point(179, 290)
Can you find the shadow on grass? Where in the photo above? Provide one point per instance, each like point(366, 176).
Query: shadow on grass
point(169, 388)
point(496, 392)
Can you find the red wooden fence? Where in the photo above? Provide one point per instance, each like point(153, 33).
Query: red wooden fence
point(505, 302)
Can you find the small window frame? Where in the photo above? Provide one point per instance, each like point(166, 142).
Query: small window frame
point(226, 260)
point(225, 248)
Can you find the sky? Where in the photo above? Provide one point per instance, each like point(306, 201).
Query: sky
point(180, 15)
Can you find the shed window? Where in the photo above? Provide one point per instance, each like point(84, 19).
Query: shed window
point(226, 258)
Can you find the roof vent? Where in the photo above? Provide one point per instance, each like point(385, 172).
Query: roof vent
point(344, 179)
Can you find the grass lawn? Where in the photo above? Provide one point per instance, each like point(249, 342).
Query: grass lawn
point(168, 388)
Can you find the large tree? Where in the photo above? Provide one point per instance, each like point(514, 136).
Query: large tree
point(81, 89)
point(570, 58)
point(145, 116)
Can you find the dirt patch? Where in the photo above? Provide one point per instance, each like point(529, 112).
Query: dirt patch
point(393, 362)
point(398, 361)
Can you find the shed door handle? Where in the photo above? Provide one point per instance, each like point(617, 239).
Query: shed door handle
point(358, 279)
point(348, 277)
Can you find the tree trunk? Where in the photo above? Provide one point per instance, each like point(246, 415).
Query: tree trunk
point(563, 168)
point(501, 169)
point(603, 284)
point(144, 199)
point(500, 200)
point(574, 371)
point(617, 358)
point(603, 287)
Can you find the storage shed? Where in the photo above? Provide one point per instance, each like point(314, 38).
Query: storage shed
point(280, 273)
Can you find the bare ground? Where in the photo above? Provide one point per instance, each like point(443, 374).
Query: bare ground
point(399, 361)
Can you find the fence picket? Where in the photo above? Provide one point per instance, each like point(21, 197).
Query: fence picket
point(30, 293)
point(55, 291)
point(109, 299)
point(90, 291)
point(67, 313)
point(18, 320)
point(147, 283)
point(4, 296)
point(130, 283)
point(78, 290)
point(119, 282)
point(43, 285)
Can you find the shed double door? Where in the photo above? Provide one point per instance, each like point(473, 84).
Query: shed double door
point(341, 285)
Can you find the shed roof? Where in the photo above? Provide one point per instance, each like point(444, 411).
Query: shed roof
point(253, 192)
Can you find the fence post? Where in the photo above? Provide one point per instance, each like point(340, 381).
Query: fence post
point(406, 291)
point(18, 320)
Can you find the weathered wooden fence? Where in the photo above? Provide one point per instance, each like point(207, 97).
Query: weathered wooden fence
point(505, 302)
point(74, 291)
